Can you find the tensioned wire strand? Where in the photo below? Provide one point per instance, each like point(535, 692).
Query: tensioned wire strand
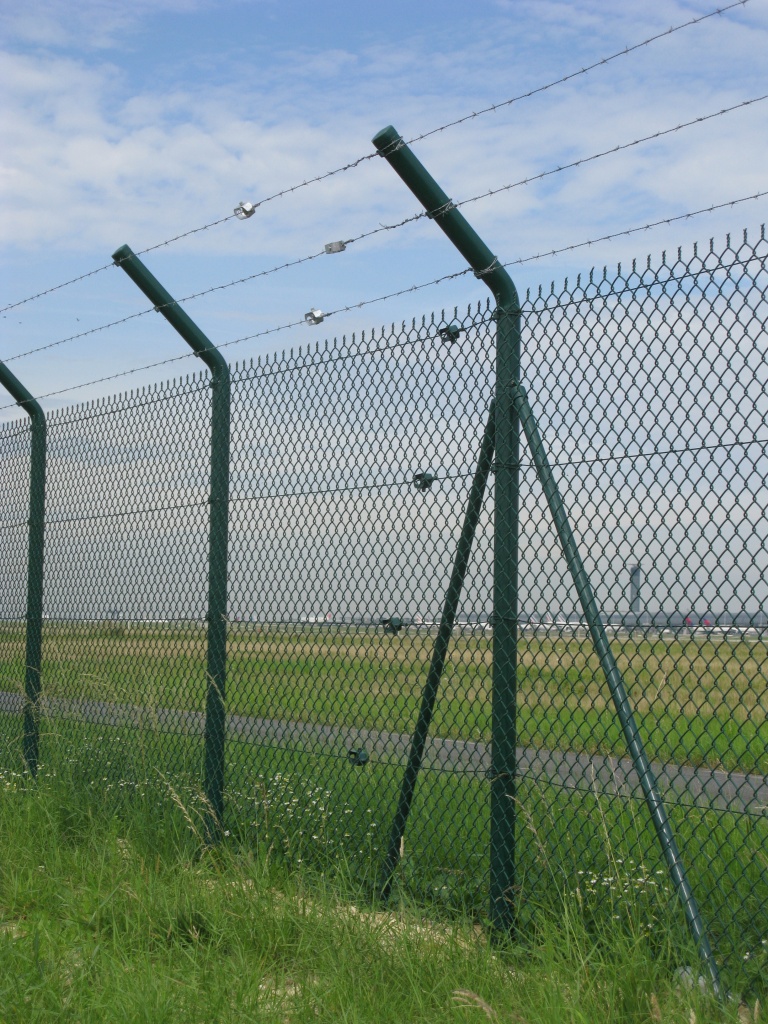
point(417, 138)
point(407, 482)
point(403, 291)
point(386, 227)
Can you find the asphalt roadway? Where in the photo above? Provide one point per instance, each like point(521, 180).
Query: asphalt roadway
point(679, 784)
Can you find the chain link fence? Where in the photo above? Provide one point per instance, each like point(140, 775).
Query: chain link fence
point(351, 469)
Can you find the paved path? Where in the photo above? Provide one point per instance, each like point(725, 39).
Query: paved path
point(681, 784)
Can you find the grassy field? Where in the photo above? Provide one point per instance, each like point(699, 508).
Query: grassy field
point(698, 700)
point(114, 912)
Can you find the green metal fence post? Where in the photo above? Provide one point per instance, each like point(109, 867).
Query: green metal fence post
point(437, 662)
point(215, 714)
point(616, 685)
point(505, 589)
point(34, 620)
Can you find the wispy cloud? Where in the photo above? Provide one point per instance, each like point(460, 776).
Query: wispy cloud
point(112, 135)
point(87, 25)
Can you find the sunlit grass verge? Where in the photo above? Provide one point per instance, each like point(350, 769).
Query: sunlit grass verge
point(116, 913)
point(317, 814)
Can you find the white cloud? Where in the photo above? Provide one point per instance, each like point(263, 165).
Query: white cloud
point(138, 147)
point(87, 25)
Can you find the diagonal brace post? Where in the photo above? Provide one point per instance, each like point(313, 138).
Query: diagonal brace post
point(215, 714)
point(615, 682)
point(35, 558)
point(437, 663)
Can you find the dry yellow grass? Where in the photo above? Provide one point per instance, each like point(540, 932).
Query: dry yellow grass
point(686, 676)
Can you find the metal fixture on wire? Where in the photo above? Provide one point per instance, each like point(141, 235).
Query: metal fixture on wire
point(423, 481)
point(359, 305)
point(244, 210)
point(451, 333)
point(314, 316)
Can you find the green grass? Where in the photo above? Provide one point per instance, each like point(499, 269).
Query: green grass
point(320, 816)
point(698, 701)
point(110, 911)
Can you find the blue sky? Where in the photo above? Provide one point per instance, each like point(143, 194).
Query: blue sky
point(133, 123)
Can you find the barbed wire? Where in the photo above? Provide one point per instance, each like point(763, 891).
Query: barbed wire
point(624, 232)
point(632, 231)
point(552, 252)
point(509, 102)
point(416, 138)
point(55, 288)
point(166, 305)
point(615, 149)
point(389, 227)
point(186, 234)
point(74, 337)
point(161, 362)
point(576, 74)
point(98, 270)
point(522, 260)
point(436, 214)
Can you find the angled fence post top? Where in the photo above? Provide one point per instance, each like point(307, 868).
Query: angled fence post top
point(20, 394)
point(452, 222)
point(442, 210)
point(35, 565)
point(164, 303)
point(218, 531)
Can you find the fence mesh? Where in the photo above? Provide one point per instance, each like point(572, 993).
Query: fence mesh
point(351, 468)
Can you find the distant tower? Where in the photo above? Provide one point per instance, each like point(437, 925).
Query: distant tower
point(635, 582)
